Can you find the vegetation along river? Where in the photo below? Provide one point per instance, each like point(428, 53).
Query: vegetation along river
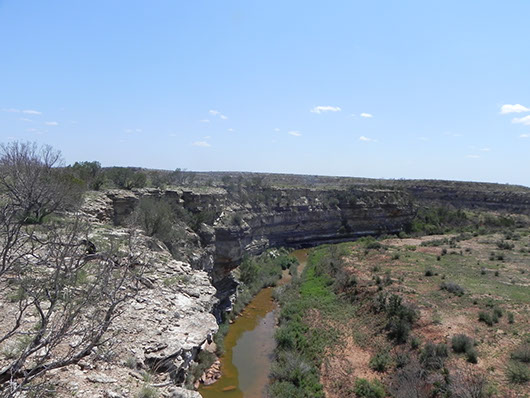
point(249, 346)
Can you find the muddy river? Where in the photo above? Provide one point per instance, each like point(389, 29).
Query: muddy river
point(249, 346)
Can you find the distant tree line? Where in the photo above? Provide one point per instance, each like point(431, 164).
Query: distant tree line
point(92, 176)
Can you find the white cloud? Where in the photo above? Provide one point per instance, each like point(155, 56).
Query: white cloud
point(26, 111)
point(25, 119)
point(485, 149)
point(366, 115)
point(524, 136)
point(31, 112)
point(325, 108)
point(217, 113)
point(366, 139)
point(276, 129)
point(522, 120)
point(231, 130)
point(204, 120)
point(472, 156)
point(172, 134)
point(423, 138)
point(51, 123)
point(517, 108)
point(203, 144)
point(295, 133)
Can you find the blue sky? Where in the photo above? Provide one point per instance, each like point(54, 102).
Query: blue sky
point(394, 89)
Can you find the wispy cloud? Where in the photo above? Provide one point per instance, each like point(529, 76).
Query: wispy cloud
point(472, 156)
point(366, 139)
point(522, 120)
point(204, 120)
point(516, 108)
point(26, 111)
point(214, 112)
point(452, 134)
point(203, 144)
point(130, 131)
point(51, 123)
point(295, 133)
point(231, 130)
point(25, 119)
point(485, 149)
point(276, 129)
point(325, 108)
point(423, 138)
point(366, 115)
point(524, 136)
point(35, 131)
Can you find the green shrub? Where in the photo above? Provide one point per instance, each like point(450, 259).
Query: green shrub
point(155, 217)
point(453, 288)
point(415, 342)
point(461, 343)
point(402, 359)
point(432, 356)
point(511, 318)
point(471, 355)
point(518, 373)
point(503, 245)
point(497, 311)
point(485, 317)
point(380, 361)
point(366, 389)
point(429, 272)
point(442, 351)
point(522, 353)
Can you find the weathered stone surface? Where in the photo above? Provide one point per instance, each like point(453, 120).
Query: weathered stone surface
point(101, 378)
point(177, 392)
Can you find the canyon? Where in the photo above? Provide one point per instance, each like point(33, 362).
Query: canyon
point(191, 282)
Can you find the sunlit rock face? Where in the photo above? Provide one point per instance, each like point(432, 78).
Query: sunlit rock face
point(307, 217)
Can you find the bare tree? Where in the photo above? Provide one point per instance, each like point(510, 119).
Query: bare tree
point(63, 301)
point(58, 299)
point(31, 177)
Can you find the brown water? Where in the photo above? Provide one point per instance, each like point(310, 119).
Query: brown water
point(249, 346)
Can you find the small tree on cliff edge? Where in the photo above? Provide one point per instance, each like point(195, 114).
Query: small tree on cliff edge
point(33, 181)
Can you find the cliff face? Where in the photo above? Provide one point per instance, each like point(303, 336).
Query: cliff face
point(307, 217)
